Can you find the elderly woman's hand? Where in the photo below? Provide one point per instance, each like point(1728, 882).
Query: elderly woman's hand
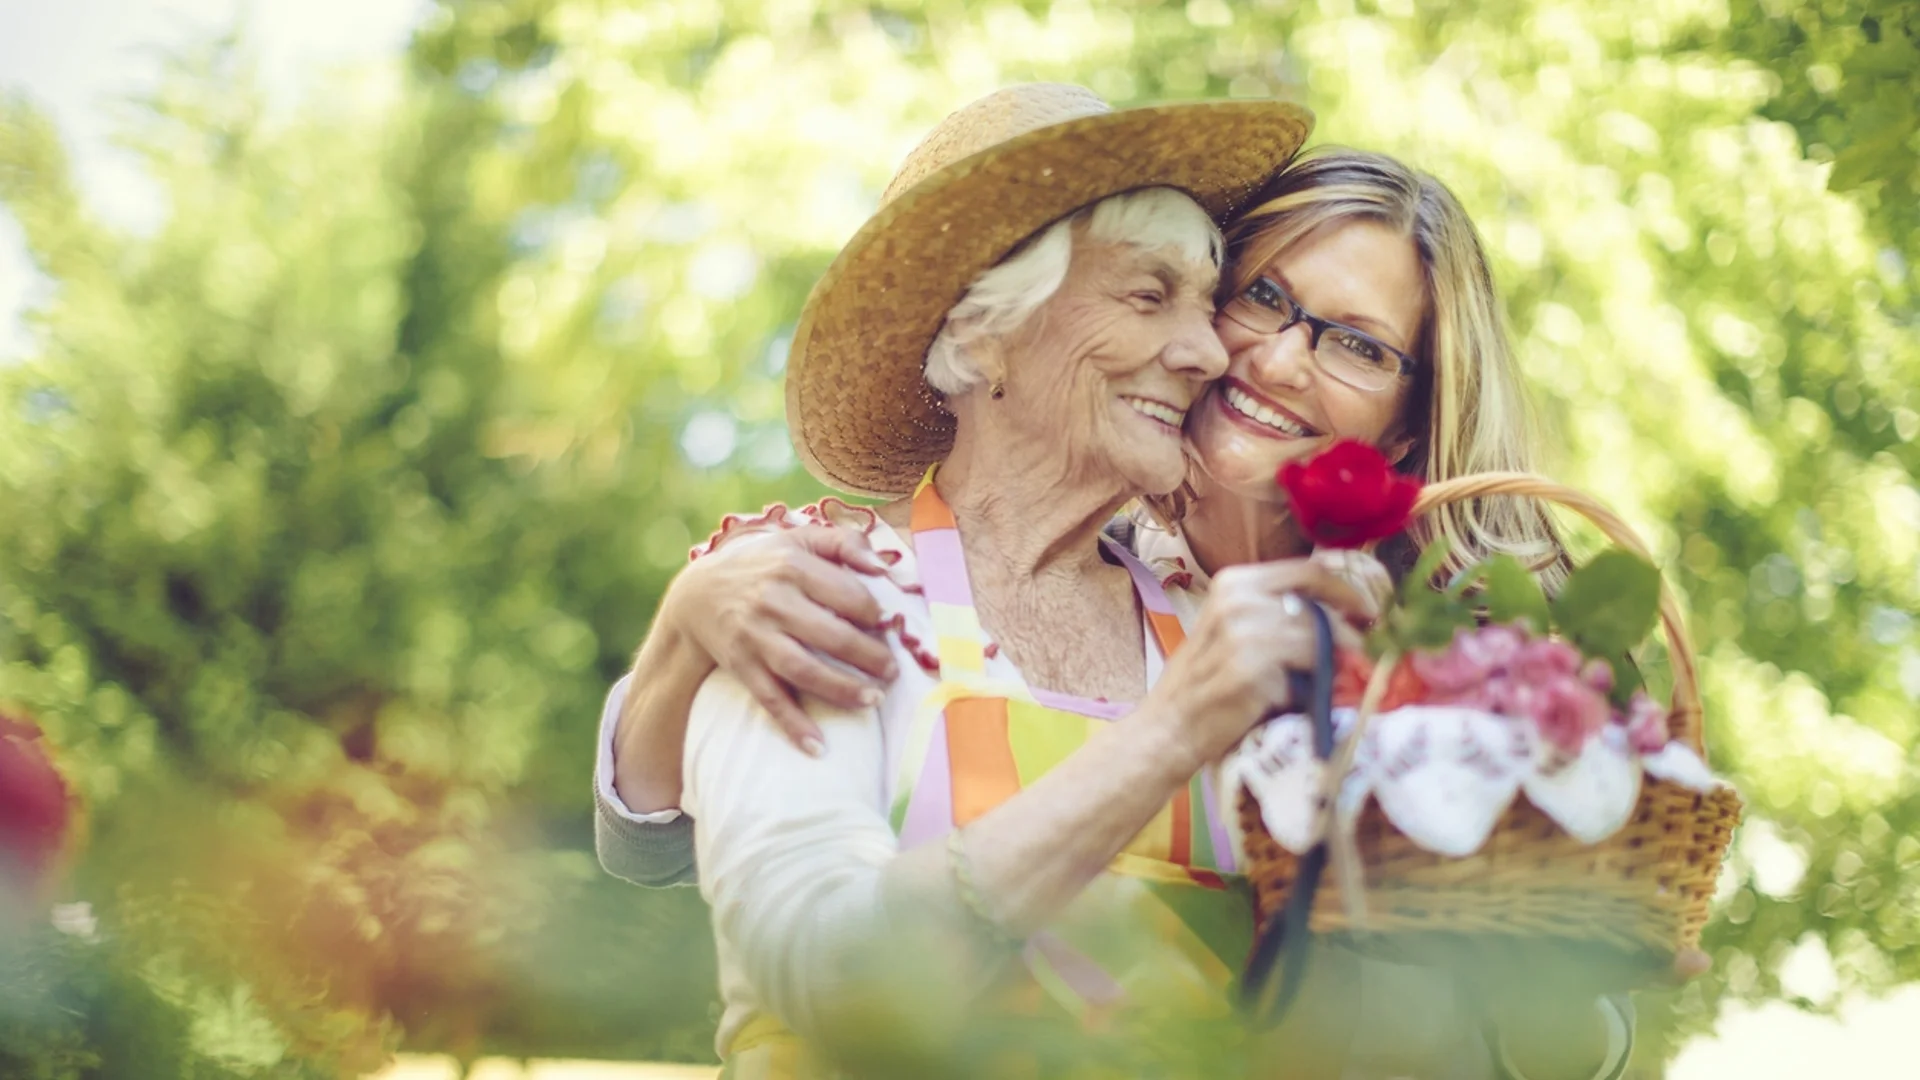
point(1360, 569)
point(1254, 630)
point(776, 611)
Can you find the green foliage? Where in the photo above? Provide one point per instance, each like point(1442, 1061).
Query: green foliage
point(332, 508)
point(1423, 617)
point(1610, 604)
point(297, 578)
point(1849, 83)
point(1513, 595)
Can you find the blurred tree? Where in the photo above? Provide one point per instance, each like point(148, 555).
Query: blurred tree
point(279, 581)
point(333, 507)
point(1849, 83)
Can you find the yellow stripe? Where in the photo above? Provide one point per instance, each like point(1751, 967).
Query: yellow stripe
point(960, 623)
point(1156, 840)
point(961, 654)
point(1135, 866)
point(1043, 737)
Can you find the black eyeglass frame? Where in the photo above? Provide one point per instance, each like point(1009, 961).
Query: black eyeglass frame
point(1316, 326)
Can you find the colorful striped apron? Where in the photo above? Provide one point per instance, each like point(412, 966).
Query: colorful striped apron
point(1167, 927)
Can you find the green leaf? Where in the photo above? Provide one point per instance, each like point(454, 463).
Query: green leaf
point(1428, 622)
point(1626, 679)
point(1512, 594)
point(1417, 582)
point(1465, 579)
point(1609, 605)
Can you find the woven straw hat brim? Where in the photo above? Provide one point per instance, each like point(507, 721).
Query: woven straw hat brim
point(861, 418)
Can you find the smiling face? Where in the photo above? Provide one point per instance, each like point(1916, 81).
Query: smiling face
point(1105, 371)
point(1277, 402)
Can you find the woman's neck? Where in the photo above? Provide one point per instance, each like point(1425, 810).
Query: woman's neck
point(1026, 519)
point(1224, 529)
point(1031, 523)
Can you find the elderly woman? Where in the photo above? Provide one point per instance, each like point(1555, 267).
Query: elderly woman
point(997, 791)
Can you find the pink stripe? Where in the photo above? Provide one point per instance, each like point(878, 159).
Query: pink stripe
point(930, 804)
point(943, 569)
point(1099, 710)
point(1152, 596)
point(1223, 860)
point(1083, 976)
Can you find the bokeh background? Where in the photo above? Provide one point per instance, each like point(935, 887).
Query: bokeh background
point(351, 426)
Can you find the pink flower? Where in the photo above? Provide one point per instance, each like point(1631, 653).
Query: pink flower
point(1502, 670)
point(1502, 695)
point(1449, 674)
point(1492, 647)
point(1567, 711)
point(1544, 659)
point(1647, 724)
point(1474, 657)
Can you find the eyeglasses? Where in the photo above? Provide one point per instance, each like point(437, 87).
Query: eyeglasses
point(1360, 360)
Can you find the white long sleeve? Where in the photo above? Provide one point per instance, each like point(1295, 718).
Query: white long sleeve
point(790, 848)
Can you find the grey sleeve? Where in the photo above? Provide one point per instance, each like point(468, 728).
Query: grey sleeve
point(642, 853)
point(646, 852)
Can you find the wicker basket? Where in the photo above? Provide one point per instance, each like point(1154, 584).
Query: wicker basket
point(1620, 908)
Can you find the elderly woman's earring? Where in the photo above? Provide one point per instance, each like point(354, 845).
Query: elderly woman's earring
point(997, 391)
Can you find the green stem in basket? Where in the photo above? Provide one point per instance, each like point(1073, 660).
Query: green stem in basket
point(1338, 834)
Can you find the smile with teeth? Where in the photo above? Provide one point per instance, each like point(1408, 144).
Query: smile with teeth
point(1246, 405)
point(1155, 410)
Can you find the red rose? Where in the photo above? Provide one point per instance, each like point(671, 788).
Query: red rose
point(34, 807)
point(1348, 495)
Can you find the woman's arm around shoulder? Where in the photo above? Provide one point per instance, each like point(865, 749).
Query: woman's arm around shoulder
point(766, 607)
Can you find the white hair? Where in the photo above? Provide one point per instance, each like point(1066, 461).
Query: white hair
point(1004, 296)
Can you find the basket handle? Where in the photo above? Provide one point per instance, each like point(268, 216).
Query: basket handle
point(1685, 717)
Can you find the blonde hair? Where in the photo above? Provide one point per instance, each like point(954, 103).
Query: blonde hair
point(1469, 411)
point(1005, 295)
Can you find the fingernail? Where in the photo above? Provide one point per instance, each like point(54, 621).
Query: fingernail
point(893, 671)
point(872, 696)
point(812, 746)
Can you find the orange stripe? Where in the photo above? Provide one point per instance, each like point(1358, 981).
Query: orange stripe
point(1167, 631)
point(1181, 852)
point(984, 775)
point(930, 511)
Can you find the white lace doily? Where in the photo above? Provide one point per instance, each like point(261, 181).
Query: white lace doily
point(1445, 774)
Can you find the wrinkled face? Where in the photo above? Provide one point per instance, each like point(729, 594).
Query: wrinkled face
point(1277, 401)
point(1106, 370)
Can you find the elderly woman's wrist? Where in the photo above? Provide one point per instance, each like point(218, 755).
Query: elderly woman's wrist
point(1168, 743)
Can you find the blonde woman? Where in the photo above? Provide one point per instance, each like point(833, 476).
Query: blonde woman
point(1357, 304)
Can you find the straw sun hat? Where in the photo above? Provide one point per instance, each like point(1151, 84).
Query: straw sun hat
point(986, 178)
